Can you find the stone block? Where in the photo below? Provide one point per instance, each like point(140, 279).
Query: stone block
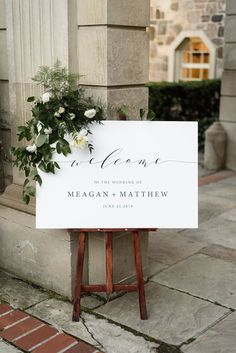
point(43, 257)
point(2, 14)
point(217, 18)
point(203, 276)
point(169, 248)
point(18, 293)
point(230, 129)
point(230, 33)
point(92, 55)
point(229, 56)
point(228, 108)
point(4, 103)
point(102, 334)
point(113, 57)
point(3, 55)
point(220, 252)
point(173, 317)
point(134, 98)
point(228, 87)
point(113, 12)
point(221, 31)
point(231, 7)
point(220, 338)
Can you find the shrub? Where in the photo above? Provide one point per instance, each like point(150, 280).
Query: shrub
point(186, 101)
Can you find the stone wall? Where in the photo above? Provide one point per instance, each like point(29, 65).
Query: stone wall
point(228, 97)
point(170, 17)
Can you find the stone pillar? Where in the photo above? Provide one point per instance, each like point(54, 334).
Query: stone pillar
point(106, 41)
point(38, 33)
point(114, 61)
point(228, 98)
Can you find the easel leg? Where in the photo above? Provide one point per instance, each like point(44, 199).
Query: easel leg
point(139, 273)
point(109, 279)
point(79, 276)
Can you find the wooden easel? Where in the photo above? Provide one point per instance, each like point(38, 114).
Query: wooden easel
point(109, 287)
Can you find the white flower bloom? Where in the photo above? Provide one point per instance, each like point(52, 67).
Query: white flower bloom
point(39, 126)
point(48, 131)
point(46, 97)
point(83, 132)
point(61, 110)
point(72, 116)
point(90, 113)
point(80, 142)
point(31, 148)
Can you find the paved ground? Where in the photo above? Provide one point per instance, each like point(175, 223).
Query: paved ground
point(191, 290)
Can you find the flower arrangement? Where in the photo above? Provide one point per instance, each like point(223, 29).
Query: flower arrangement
point(61, 111)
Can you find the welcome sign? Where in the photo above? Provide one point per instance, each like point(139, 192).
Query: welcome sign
point(140, 175)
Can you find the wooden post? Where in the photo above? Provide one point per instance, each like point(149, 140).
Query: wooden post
point(139, 273)
point(79, 276)
point(109, 267)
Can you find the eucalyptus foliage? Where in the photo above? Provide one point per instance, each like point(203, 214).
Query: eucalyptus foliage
point(61, 111)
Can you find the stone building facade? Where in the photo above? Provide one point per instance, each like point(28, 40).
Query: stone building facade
point(172, 23)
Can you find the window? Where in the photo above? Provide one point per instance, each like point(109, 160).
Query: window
point(192, 57)
point(194, 63)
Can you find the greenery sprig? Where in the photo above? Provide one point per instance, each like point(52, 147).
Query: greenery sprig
point(63, 110)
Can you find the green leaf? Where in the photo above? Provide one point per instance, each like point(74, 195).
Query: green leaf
point(30, 99)
point(41, 140)
point(58, 147)
point(30, 190)
point(42, 166)
point(38, 179)
point(151, 115)
point(26, 199)
point(26, 182)
point(21, 129)
point(57, 165)
point(142, 113)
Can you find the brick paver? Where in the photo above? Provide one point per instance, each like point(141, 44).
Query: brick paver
point(11, 318)
point(4, 308)
point(56, 344)
point(33, 335)
point(31, 340)
point(81, 347)
point(20, 329)
point(213, 178)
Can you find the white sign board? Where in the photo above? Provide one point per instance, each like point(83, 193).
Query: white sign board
point(140, 175)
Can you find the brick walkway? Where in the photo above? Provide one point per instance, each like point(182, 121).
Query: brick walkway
point(32, 335)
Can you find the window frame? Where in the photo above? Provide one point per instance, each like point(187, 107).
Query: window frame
point(174, 56)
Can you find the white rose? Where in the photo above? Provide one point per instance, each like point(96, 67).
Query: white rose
point(90, 113)
point(48, 131)
point(57, 115)
point(46, 97)
point(61, 110)
point(72, 116)
point(31, 148)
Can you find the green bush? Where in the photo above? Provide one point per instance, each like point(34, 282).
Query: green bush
point(186, 101)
